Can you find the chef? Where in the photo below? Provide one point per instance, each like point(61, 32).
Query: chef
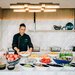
point(22, 41)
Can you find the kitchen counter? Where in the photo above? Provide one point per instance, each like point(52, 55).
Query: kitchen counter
point(19, 70)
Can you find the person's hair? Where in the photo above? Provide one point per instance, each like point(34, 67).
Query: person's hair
point(22, 25)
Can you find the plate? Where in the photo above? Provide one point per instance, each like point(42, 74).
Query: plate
point(55, 67)
point(24, 54)
point(41, 67)
point(27, 67)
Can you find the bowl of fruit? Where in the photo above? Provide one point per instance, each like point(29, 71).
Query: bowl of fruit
point(12, 59)
point(45, 60)
point(61, 61)
point(64, 58)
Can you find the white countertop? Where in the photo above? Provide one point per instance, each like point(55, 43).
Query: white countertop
point(19, 70)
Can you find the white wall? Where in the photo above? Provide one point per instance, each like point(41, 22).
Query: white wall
point(0, 32)
point(42, 39)
point(48, 24)
point(9, 28)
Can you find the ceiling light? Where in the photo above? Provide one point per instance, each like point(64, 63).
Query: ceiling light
point(34, 10)
point(19, 10)
point(52, 6)
point(35, 6)
point(49, 10)
point(43, 5)
point(23, 7)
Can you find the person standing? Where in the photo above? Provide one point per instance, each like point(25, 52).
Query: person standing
point(22, 41)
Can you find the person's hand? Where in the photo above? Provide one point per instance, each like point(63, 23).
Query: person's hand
point(24, 52)
point(17, 50)
point(28, 52)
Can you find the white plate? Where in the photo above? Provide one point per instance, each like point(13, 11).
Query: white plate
point(27, 68)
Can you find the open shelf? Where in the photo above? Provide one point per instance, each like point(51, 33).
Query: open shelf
point(52, 31)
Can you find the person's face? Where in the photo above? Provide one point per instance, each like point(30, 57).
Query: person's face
point(22, 30)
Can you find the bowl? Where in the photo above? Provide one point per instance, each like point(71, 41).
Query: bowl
point(57, 27)
point(2, 66)
point(69, 26)
point(23, 54)
point(13, 62)
point(27, 67)
point(60, 61)
point(55, 49)
point(10, 67)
